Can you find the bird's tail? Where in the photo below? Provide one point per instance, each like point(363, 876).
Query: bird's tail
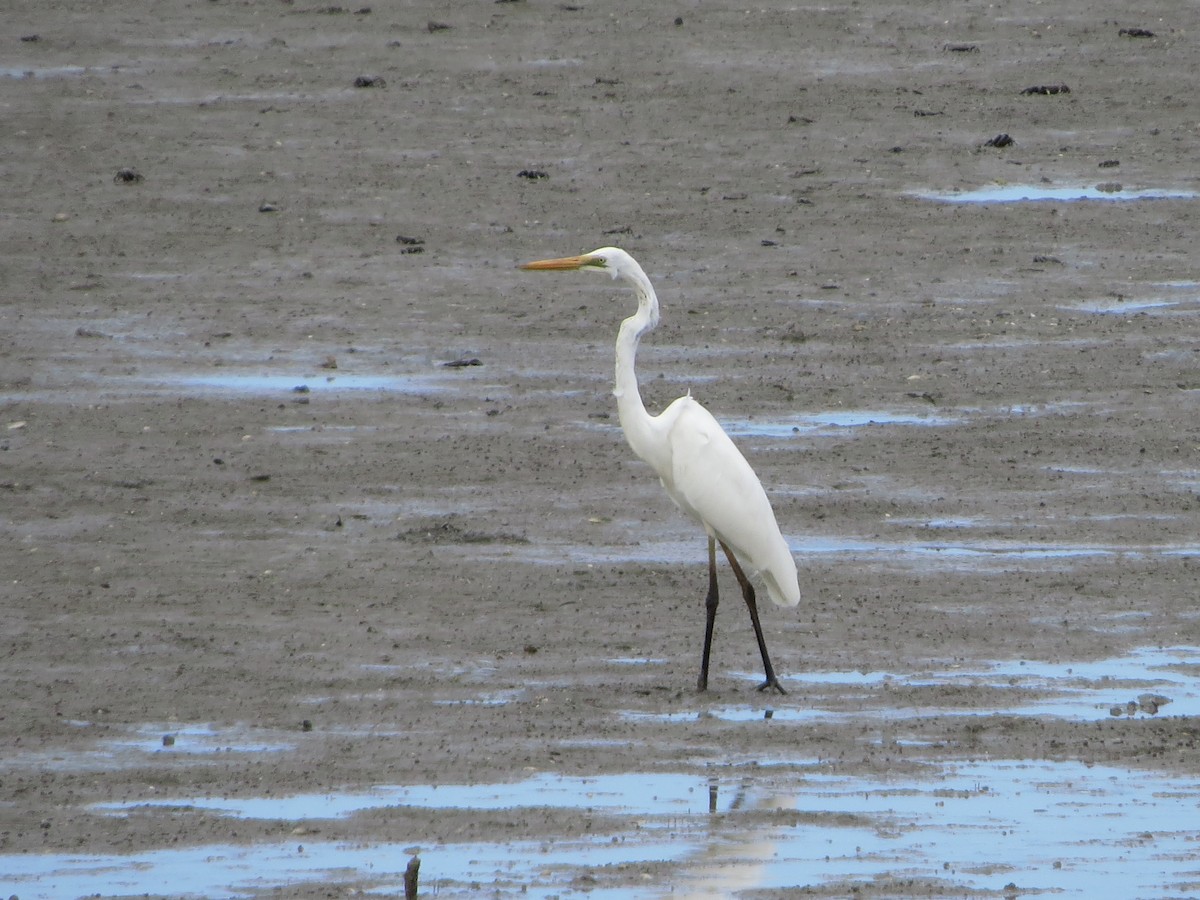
point(783, 588)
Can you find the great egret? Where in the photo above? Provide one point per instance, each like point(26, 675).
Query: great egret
point(699, 466)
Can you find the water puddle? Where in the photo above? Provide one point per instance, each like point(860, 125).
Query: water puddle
point(926, 546)
point(829, 420)
point(924, 554)
point(221, 382)
point(493, 698)
point(975, 551)
point(1020, 193)
point(321, 429)
point(1117, 306)
point(1042, 826)
point(43, 71)
point(173, 738)
point(651, 795)
point(1046, 827)
point(528, 869)
point(151, 743)
point(262, 383)
point(1150, 681)
point(637, 661)
point(826, 421)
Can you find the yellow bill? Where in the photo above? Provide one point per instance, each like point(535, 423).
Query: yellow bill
point(564, 263)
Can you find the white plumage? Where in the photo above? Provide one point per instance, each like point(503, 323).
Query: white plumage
point(700, 467)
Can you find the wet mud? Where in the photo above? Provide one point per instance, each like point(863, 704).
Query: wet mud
point(322, 549)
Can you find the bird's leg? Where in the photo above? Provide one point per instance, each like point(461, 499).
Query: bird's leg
point(752, 605)
point(710, 606)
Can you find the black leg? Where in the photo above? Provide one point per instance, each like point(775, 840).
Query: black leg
point(752, 605)
point(710, 606)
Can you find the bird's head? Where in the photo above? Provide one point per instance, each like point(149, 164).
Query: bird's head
point(618, 264)
point(613, 260)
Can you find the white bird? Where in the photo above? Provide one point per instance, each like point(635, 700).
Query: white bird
point(699, 466)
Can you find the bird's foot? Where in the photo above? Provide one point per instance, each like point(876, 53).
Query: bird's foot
point(772, 682)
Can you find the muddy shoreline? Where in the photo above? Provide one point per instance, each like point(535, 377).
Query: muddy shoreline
point(261, 542)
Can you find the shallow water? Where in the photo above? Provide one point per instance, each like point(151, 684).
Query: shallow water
point(654, 795)
point(44, 71)
point(139, 745)
point(1114, 306)
point(234, 384)
point(1044, 826)
point(962, 553)
point(1082, 691)
point(226, 871)
point(263, 383)
point(1018, 193)
point(199, 739)
point(831, 419)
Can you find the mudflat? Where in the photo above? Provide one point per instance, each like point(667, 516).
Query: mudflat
point(322, 549)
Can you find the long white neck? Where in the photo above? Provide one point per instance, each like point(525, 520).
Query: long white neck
point(635, 421)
